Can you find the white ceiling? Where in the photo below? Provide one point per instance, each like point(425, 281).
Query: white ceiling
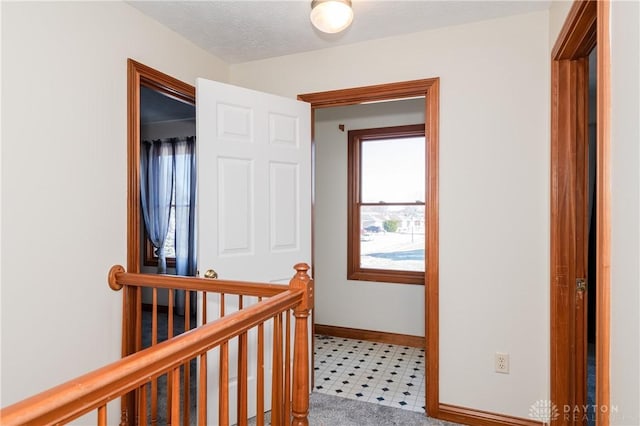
point(245, 30)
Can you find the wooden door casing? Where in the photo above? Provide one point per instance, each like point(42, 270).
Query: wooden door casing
point(587, 24)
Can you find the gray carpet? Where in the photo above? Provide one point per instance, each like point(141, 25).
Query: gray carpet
point(327, 410)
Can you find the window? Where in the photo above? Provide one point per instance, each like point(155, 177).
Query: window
point(386, 210)
point(170, 198)
point(150, 252)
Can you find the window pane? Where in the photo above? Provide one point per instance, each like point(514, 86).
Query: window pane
point(393, 170)
point(392, 237)
point(170, 241)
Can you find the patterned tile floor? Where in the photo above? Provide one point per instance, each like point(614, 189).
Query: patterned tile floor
point(381, 373)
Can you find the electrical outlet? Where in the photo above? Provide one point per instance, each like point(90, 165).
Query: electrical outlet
point(502, 363)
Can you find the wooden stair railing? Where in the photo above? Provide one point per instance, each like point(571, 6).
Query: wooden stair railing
point(93, 391)
point(132, 406)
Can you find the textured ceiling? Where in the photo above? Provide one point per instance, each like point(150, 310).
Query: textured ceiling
point(242, 30)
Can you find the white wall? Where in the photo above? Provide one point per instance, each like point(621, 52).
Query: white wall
point(625, 212)
point(494, 189)
point(558, 13)
point(64, 189)
point(339, 301)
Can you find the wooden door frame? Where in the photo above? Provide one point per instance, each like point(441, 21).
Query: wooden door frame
point(429, 88)
point(139, 74)
point(586, 26)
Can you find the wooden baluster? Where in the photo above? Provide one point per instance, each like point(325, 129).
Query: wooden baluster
point(154, 318)
point(154, 341)
point(202, 394)
point(260, 375)
point(139, 319)
point(142, 405)
point(276, 382)
point(223, 386)
point(175, 397)
point(129, 303)
point(223, 395)
point(301, 281)
point(242, 379)
point(141, 401)
point(102, 415)
point(186, 400)
point(170, 313)
point(169, 336)
point(242, 372)
point(287, 368)
point(222, 299)
point(203, 307)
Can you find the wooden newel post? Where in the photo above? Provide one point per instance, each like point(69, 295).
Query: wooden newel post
point(300, 403)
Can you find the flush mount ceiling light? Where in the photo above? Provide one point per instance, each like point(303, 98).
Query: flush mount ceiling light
point(331, 16)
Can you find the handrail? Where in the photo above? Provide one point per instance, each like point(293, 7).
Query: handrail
point(79, 396)
point(118, 278)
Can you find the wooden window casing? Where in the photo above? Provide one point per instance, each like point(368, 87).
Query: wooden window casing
point(152, 260)
point(354, 269)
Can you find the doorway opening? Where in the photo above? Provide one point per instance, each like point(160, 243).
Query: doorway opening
point(143, 78)
point(359, 356)
point(429, 90)
point(572, 284)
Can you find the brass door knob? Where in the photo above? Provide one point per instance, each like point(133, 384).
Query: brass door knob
point(211, 274)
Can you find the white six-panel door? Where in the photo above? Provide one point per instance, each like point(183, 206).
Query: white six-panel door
point(254, 204)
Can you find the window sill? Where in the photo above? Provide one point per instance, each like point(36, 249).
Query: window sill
point(385, 276)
